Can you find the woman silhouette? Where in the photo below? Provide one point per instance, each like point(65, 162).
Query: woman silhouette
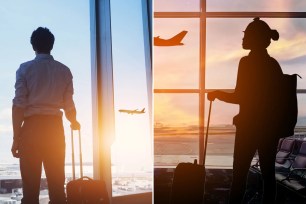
point(256, 128)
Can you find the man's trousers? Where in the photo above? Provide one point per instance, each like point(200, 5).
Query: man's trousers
point(42, 142)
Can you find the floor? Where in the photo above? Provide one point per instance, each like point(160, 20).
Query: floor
point(217, 187)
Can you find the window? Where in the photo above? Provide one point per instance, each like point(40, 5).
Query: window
point(177, 67)
point(177, 5)
point(132, 147)
point(207, 61)
point(259, 6)
point(176, 128)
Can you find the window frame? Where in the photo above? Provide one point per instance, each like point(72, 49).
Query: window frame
point(203, 15)
point(103, 112)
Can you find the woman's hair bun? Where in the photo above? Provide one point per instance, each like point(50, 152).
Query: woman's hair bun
point(274, 35)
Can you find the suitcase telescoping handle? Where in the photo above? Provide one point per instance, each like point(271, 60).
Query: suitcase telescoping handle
point(207, 128)
point(73, 162)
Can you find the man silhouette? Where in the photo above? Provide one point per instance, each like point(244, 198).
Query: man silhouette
point(43, 87)
point(256, 127)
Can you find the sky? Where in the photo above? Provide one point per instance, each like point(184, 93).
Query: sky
point(132, 150)
point(235, 5)
point(174, 67)
point(178, 67)
point(69, 21)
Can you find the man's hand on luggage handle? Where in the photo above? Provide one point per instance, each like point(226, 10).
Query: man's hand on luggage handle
point(15, 149)
point(75, 125)
point(71, 116)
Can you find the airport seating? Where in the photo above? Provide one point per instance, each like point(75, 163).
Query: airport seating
point(290, 165)
point(280, 143)
point(294, 178)
point(284, 155)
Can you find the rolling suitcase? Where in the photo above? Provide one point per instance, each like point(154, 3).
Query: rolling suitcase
point(189, 179)
point(85, 190)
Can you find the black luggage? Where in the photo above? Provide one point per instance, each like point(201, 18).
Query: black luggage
point(189, 179)
point(85, 190)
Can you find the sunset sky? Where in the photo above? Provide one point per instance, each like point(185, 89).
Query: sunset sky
point(235, 5)
point(178, 67)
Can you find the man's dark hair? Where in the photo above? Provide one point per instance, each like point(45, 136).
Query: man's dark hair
point(42, 40)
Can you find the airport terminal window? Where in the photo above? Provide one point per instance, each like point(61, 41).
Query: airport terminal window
point(176, 128)
point(256, 5)
point(221, 69)
point(69, 22)
point(223, 52)
point(177, 66)
point(220, 35)
point(220, 143)
point(131, 153)
point(177, 5)
point(300, 126)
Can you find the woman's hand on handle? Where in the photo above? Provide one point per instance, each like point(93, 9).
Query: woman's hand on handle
point(75, 125)
point(211, 96)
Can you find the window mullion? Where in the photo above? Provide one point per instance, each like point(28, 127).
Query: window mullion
point(202, 80)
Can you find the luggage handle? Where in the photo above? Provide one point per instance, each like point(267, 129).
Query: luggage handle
point(73, 161)
point(206, 138)
point(85, 178)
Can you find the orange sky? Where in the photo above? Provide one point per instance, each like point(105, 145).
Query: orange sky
point(178, 66)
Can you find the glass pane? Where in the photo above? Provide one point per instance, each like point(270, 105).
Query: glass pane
point(69, 22)
point(221, 137)
point(300, 128)
point(257, 5)
point(290, 50)
point(177, 66)
point(225, 51)
point(132, 160)
point(176, 132)
point(176, 5)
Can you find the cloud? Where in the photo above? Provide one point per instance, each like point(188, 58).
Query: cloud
point(289, 48)
point(295, 60)
point(176, 109)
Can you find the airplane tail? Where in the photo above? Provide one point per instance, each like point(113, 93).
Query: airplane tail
point(143, 110)
point(178, 38)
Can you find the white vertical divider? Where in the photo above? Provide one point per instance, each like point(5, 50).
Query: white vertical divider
point(102, 90)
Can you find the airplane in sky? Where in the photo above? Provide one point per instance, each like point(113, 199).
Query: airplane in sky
point(174, 41)
point(136, 111)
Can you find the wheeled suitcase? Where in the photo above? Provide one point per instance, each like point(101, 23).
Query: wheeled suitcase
point(189, 179)
point(85, 190)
